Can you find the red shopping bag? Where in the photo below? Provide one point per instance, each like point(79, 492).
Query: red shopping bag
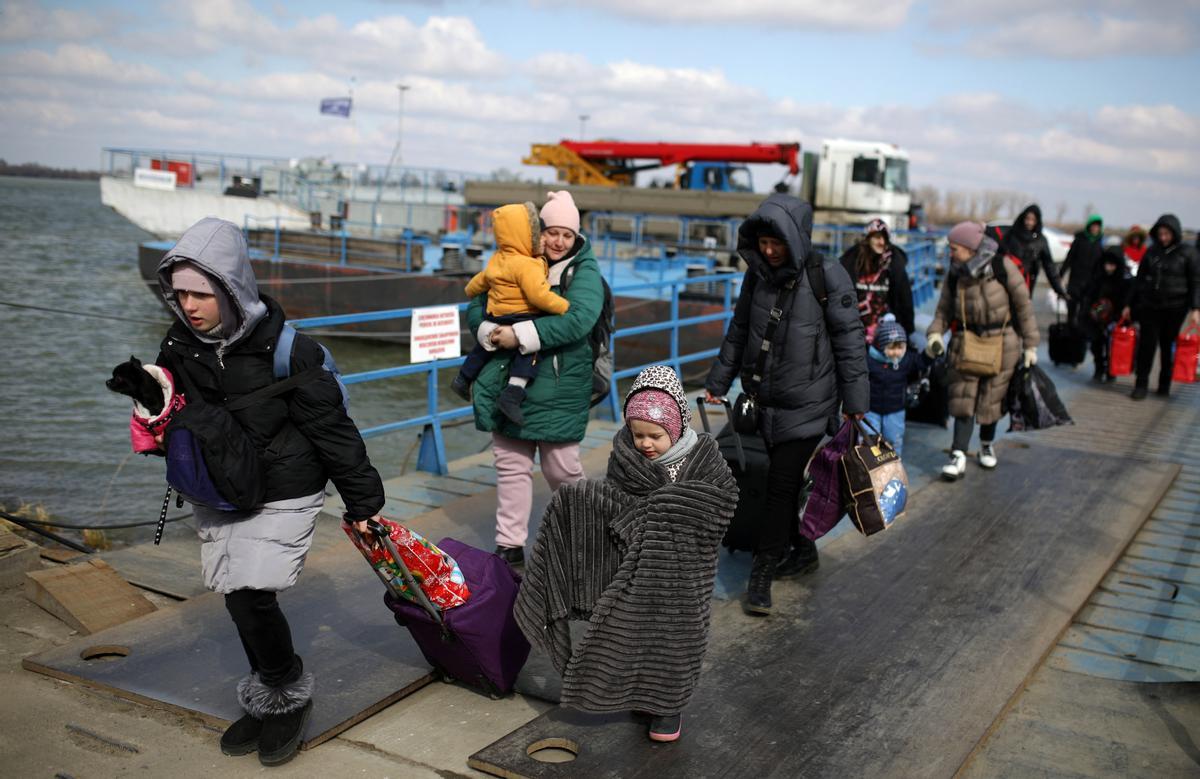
point(1121, 349)
point(1187, 353)
point(435, 572)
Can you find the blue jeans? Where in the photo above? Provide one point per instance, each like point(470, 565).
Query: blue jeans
point(891, 426)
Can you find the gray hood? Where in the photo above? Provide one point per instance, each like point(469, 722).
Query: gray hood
point(219, 249)
point(784, 217)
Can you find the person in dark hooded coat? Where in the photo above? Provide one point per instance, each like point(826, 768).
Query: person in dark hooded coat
point(816, 363)
point(1105, 296)
point(1167, 286)
point(221, 347)
point(1082, 263)
point(1025, 241)
point(879, 270)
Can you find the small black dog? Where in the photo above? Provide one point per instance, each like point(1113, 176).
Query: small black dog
point(130, 378)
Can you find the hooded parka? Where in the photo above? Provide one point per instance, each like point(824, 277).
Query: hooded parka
point(1083, 259)
point(1169, 276)
point(988, 303)
point(304, 437)
point(818, 359)
point(1031, 248)
point(557, 403)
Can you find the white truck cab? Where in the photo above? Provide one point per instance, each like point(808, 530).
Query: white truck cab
point(853, 182)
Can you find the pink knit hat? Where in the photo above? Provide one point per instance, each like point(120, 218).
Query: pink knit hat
point(657, 407)
point(186, 277)
point(968, 234)
point(560, 211)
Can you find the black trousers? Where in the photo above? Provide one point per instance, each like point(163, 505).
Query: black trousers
point(1159, 327)
point(1098, 335)
point(265, 635)
point(964, 426)
point(785, 480)
point(523, 366)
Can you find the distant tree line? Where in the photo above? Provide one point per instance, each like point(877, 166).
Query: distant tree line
point(35, 171)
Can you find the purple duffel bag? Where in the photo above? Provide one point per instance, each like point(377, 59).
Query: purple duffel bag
point(479, 642)
point(824, 507)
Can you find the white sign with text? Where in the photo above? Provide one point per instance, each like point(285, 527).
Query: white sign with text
point(435, 334)
point(154, 179)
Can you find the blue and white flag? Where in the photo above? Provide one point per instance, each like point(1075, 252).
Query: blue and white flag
point(338, 106)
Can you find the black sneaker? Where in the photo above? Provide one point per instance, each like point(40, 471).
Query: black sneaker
point(281, 735)
point(513, 555)
point(241, 738)
point(758, 591)
point(666, 728)
point(1163, 392)
point(461, 387)
point(1139, 393)
point(511, 398)
point(801, 560)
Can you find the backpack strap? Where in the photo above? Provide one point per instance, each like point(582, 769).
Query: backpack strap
point(816, 278)
point(282, 363)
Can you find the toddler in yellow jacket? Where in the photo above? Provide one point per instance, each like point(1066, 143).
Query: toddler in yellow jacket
point(518, 289)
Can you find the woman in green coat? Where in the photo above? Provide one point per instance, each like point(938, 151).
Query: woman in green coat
point(557, 403)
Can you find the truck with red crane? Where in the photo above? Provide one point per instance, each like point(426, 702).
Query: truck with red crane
point(848, 182)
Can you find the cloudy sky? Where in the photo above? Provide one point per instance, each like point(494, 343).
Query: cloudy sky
point(1088, 102)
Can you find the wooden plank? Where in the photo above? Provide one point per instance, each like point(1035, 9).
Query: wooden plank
point(1160, 536)
point(1174, 556)
point(1119, 669)
point(1145, 605)
point(899, 653)
point(89, 596)
point(59, 555)
point(419, 493)
point(1160, 525)
point(1146, 649)
point(1119, 581)
point(1140, 624)
point(17, 556)
point(1173, 573)
point(1066, 724)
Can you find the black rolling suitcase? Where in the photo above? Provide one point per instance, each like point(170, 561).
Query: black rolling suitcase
point(1067, 345)
point(747, 458)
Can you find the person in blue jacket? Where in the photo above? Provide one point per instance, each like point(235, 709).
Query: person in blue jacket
point(892, 366)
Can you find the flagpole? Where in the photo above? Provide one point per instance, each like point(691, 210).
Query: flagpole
point(395, 158)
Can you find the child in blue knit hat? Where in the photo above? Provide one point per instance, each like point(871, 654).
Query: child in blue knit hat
point(892, 365)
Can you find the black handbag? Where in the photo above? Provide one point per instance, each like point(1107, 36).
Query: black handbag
point(746, 413)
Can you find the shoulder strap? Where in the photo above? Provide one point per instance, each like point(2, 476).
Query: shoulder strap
point(782, 302)
point(282, 363)
point(998, 269)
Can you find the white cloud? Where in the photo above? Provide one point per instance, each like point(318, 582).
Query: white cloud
point(861, 14)
point(1084, 36)
point(77, 62)
point(21, 20)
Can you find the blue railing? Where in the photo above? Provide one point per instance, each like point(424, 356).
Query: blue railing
point(432, 454)
point(346, 250)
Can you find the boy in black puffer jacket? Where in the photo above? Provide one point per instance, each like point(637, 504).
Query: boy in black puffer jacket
point(892, 365)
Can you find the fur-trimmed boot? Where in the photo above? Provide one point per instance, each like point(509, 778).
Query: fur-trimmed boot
point(283, 712)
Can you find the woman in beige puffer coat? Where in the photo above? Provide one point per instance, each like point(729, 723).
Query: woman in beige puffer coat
point(990, 302)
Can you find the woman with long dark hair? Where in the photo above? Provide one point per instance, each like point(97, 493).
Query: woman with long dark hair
point(879, 270)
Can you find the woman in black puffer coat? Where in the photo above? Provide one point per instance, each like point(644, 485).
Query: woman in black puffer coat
point(1166, 288)
point(1026, 242)
point(816, 365)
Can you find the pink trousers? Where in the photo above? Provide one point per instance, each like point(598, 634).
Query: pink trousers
point(514, 481)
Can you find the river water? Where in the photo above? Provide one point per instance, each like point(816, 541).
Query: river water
point(64, 437)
